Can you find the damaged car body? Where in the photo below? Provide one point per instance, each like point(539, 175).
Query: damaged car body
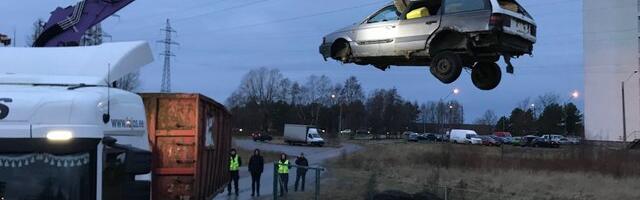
point(447, 35)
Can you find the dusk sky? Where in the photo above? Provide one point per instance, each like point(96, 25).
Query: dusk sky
point(221, 40)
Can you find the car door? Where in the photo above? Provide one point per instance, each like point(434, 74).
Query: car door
point(412, 34)
point(375, 36)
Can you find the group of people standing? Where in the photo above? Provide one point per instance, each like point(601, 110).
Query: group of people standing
point(256, 167)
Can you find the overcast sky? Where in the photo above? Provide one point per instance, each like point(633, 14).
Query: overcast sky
point(221, 40)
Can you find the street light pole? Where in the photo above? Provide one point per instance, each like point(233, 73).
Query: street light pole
point(624, 110)
point(334, 97)
point(455, 91)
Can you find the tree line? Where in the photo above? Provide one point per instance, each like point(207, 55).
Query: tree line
point(265, 100)
point(545, 115)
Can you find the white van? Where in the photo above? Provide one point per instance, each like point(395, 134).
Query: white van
point(464, 137)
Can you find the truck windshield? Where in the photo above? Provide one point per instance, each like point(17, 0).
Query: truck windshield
point(313, 131)
point(42, 176)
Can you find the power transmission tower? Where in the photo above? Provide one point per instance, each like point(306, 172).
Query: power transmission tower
point(166, 71)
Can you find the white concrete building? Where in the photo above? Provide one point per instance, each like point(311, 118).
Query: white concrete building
point(611, 55)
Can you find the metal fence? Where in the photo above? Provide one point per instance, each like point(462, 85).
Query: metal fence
point(276, 179)
point(458, 193)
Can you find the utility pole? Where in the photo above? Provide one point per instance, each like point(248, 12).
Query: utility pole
point(624, 110)
point(166, 70)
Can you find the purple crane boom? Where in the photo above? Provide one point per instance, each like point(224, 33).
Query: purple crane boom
point(66, 26)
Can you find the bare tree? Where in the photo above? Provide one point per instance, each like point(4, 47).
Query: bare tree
point(352, 91)
point(38, 27)
point(129, 82)
point(488, 118)
point(547, 99)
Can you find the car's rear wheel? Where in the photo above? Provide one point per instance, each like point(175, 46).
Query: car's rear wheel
point(486, 75)
point(446, 67)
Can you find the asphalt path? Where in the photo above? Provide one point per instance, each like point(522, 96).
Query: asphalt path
point(315, 155)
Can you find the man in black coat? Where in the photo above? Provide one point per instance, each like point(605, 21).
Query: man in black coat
point(301, 173)
point(256, 166)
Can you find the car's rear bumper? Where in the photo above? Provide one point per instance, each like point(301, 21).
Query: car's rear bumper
point(325, 50)
point(503, 43)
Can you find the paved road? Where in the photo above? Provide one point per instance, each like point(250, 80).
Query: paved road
point(315, 155)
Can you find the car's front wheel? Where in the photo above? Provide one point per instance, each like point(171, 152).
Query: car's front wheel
point(342, 52)
point(446, 66)
point(486, 75)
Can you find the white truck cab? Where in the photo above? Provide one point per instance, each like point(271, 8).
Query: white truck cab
point(64, 132)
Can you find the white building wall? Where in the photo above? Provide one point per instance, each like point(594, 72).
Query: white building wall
point(611, 54)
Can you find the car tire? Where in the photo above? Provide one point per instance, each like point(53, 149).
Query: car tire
point(342, 52)
point(486, 75)
point(446, 66)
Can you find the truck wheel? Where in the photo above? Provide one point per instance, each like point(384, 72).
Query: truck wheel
point(446, 67)
point(486, 75)
point(401, 5)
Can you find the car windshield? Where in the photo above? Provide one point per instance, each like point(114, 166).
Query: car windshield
point(513, 6)
point(389, 13)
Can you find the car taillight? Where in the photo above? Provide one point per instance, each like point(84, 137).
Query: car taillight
point(499, 20)
point(533, 30)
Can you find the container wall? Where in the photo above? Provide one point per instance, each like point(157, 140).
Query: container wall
point(190, 135)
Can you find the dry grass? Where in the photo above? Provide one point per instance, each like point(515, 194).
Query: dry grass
point(475, 172)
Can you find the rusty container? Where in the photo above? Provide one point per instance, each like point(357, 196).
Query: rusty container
point(190, 135)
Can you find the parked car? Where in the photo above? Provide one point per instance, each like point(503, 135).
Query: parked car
point(441, 137)
point(445, 35)
point(553, 137)
point(497, 141)
point(261, 137)
point(413, 137)
point(574, 140)
point(464, 136)
point(544, 142)
point(430, 137)
point(527, 141)
point(346, 132)
point(516, 141)
point(506, 140)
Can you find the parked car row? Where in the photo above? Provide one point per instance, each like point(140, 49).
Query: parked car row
point(434, 137)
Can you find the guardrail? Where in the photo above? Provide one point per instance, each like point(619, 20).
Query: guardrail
point(276, 179)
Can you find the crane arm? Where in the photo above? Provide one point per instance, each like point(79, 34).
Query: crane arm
point(66, 26)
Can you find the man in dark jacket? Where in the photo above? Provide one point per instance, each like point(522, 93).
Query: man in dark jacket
point(301, 173)
point(256, 165)
point(234, 165)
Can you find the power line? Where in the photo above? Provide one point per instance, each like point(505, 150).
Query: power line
point(300, 17)
point(166, 70)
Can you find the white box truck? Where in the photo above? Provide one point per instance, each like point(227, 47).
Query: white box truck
point(64, 132)
point(302, 134)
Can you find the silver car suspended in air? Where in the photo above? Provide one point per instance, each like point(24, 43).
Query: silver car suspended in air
point(447, 35)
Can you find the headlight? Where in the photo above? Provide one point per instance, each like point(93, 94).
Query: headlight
point(59, 135)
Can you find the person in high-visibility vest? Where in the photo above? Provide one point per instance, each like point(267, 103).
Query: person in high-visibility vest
point(234, 165)
point(283, 172)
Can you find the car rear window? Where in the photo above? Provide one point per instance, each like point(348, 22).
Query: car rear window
point(454, 6)
point(513, 6)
